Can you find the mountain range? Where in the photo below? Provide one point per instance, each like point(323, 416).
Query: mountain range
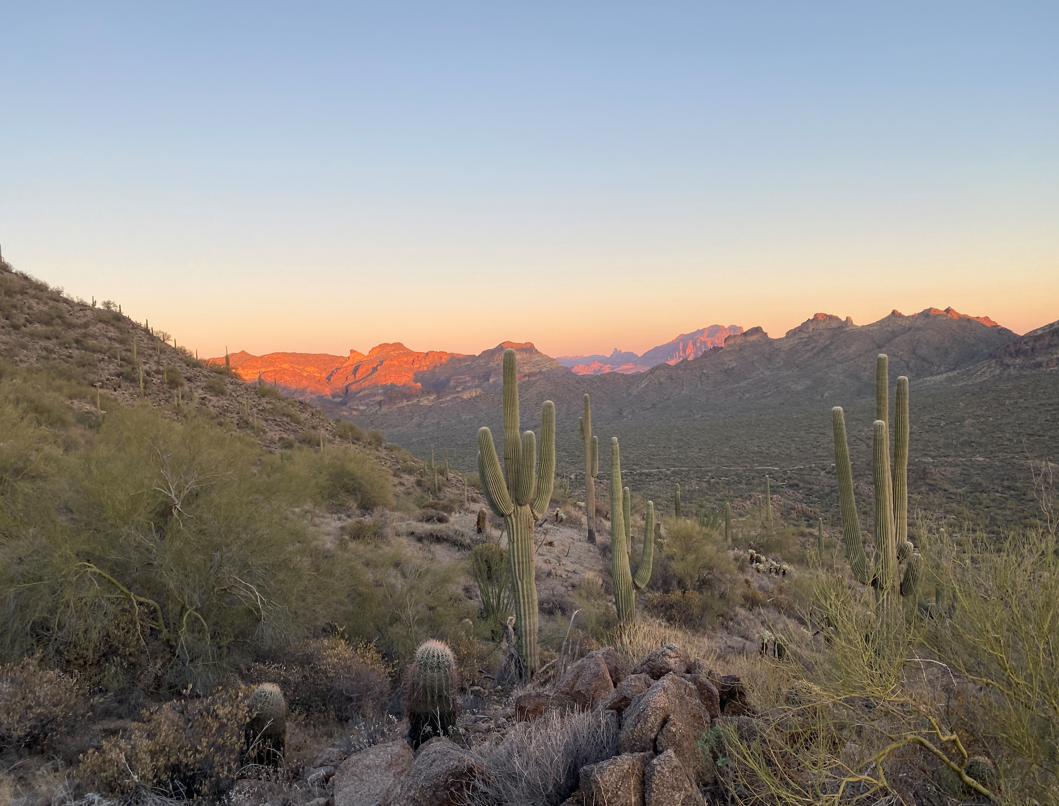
point(684, 347)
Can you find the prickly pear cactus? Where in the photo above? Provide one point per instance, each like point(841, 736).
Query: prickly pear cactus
point(431, 693)
point(266, 732)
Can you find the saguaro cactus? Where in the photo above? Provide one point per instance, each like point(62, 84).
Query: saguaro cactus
point(728, 522)
point(431, 693)
point(591, 469)
point(520, 499)
point(891, 495)
point(768, 503)
point(676, 502)
point(621, 541)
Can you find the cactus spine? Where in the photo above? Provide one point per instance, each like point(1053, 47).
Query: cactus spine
point(266, 732)
point(676, 502)
point(591, 469)
point(520, 496)
point(431, 693)
point(891, 495)
point(621, 541)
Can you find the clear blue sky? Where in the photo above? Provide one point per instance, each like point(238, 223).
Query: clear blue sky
point(313, 176)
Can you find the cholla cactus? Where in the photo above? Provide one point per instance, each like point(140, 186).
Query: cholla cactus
point(266, 732)
point(430, 693)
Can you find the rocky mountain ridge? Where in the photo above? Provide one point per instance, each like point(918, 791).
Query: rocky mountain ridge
point(683, 348)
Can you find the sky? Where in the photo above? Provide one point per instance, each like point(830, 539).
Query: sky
point(321, 177)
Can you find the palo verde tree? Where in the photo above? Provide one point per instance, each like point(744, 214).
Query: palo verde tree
point(520, 499)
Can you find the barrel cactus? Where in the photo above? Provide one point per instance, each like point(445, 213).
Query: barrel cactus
point(892, 546)
point(431, 693)
point(266, 732)
point(519, 493)
point(591, 469)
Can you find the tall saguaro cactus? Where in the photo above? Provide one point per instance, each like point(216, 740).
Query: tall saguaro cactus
point(676, 502)
point(520, 499)
point(591, 470)
point(621, 541)
point(891, 495)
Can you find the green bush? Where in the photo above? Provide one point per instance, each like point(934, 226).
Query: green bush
point(216, 386)
point(177, 537)
point(376, 438)
point(345, 475)
point(263, 390)
point(347, 431)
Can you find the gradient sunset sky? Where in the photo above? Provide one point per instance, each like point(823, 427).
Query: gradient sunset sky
point(326, 176)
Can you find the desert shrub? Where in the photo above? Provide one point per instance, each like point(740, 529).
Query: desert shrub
point(264, 390)
point(689, 609)
point(329, 677)
point(364, 529)
point(345, 474)
point(433, 516)
point(473, 481)
point(405, 600)
point(35, 705)
point(376, 438)
point(537, 763)
point(177, 536)
point(174, 379)
point(448, 507)
point(695, 554)
point(216, 386)
point(184, 748)
point(347, 431)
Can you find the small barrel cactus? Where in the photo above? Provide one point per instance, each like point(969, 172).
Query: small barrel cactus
point(266, 732)
point(430, 693)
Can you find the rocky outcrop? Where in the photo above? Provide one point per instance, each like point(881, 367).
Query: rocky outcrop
point(684, 347)
point(618, 781)
point(371, 777)
point(443, 774)
point(585, 684)
point(820, 321)
point(622, 695)
point(648, 712)
point(669, 659)
point(666, 783)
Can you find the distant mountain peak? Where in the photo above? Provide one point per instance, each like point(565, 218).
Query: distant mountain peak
point(952, 313)
point(823, 321)
point(683, 348)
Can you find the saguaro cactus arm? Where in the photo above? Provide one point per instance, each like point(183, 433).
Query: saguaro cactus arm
point(900, 468)
point(643, 573)
point(851, 538)
point(492, 476)
point(512, 436)
point(595, 456)
point(885, 548)
point(882, 389)
point(546, 472)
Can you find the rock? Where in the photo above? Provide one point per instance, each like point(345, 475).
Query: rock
point(666, 783)
point(331, 757)
point(632, 686)
point(616, 666)
point(584, 685)
point(660, 662)
point(443, 774)
point(617, 781)
point(371, 776)
point(682, 734)
point(644, 718)
point(530, 705)
point(576, 799)
point(732, 697)
point(709, 696)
